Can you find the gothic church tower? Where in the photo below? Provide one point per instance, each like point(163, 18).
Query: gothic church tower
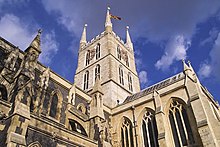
point(111, 60)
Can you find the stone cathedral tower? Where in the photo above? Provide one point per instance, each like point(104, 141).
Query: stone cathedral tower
point(107, 57)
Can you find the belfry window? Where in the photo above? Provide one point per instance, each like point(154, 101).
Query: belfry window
point(97, 51)
point(127, 133)
point(179, 121)
point(97, 71)
point(53, 106)
point(130, 86)
point(149, 128)
point(87, 58)
point(121, 78)
point(119, 52)
point(86, 80)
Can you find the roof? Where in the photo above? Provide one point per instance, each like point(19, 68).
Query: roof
point(156, 86)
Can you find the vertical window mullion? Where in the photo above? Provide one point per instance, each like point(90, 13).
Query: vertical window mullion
point(152, 127)
point(184, 127)
point(178, 133)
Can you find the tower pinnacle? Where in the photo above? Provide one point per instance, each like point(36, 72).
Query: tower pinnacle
point(83, 38)
point(36, 42)
point(108, 23)
point(128, 39)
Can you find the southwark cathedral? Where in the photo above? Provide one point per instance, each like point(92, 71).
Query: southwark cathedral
point(104, 107)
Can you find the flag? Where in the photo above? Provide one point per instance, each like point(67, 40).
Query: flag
point(115, 17)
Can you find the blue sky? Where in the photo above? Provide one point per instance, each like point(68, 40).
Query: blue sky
point(163, 33)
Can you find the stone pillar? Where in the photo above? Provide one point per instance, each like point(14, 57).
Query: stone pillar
point(159, 115)
point(18, 126)
point(197, 101)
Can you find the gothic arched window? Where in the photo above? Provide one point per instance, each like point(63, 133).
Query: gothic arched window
point(121, 78)
point(119, 52)
point(97, 51)
point(86, 80)
point(53, 106)
point(181, 128)
point(130, 85)
point(97, 71)
point(127, 133)
point(87, 58)
point(149, 128)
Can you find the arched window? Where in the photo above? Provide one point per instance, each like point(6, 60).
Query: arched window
point(86, 80)
point(53, 106)
point(119, 52)
point(130, 86)
point(149, 128)
point(87, 58)
point(127, 133)
point(97, 71)
point(3, 92)
point(121, 78)
point(179, 122)
point(97, 51)
point(77, 127)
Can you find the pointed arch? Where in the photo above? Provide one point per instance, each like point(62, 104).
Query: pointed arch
point(126, 133)
point(87, 58)
point(55, 104)
point(179, 123)
point(130, 83)
point(86, 80)
point(121, 75)
point(119, 52)
point(97, 71)
point(35, 144)
point(97, 51)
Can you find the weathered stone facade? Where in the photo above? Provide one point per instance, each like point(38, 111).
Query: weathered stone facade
point(104, 106)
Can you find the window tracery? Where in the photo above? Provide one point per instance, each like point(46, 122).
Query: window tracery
point(180, 126)
point(149, 129)
point(127, 133)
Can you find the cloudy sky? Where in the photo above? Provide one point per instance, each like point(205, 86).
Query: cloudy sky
point(163, 33)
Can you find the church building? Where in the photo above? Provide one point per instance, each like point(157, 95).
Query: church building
point(105, 106)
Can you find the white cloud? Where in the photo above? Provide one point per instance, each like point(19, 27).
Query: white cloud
point(143, 77)
point(175, 50)
point(215, 54)
point(49, 47)
point(205, 70)
point(18, 33)
point(213, 34)
point(15, 31)
point(213, 66)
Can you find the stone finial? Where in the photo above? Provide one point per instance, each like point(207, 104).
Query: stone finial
point(36, 43)
point(97, 87)
point(186, 68)
point(108, 23)
point(128, 39)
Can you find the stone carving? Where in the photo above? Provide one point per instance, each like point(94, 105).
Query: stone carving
point(71, 95)
point(9, 72)
point(44, 79)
